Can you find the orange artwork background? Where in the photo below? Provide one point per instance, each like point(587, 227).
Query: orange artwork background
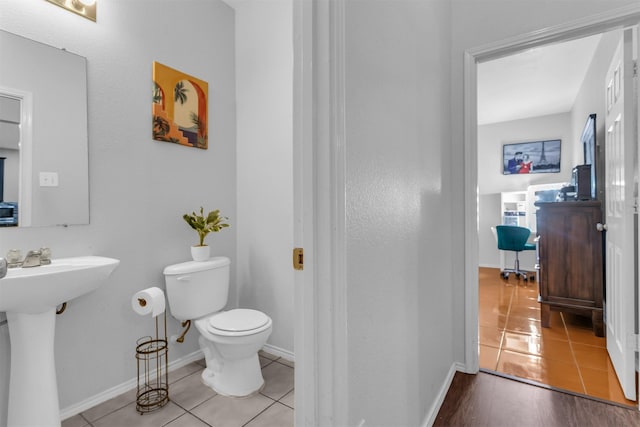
point(179, 107)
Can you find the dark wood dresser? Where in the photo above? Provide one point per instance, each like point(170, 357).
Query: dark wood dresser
point(570, 260)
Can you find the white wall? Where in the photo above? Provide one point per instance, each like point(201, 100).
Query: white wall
point(489, 215)
point(264, 86)
point(405, 198)
point(591, 99)
point(491, 181)
point(139, 187)
point(492, 137)
point(398, 202)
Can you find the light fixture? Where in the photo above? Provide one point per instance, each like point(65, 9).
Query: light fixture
point(86, 8)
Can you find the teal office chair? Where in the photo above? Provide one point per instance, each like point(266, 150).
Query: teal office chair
point(514, 239)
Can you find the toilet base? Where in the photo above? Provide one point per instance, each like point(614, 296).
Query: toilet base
point(234, 378)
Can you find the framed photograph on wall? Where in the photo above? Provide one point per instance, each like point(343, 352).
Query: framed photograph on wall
point(531, 157)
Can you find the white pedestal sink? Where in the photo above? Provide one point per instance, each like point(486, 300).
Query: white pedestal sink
point(30, 297)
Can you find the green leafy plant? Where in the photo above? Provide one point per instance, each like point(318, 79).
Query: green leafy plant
point(212, 222)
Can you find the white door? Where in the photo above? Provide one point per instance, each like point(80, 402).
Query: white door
point(620, 152)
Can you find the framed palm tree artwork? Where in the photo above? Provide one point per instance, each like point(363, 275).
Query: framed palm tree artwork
point(180, 104)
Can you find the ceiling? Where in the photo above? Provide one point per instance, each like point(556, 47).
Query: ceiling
point(537, 82)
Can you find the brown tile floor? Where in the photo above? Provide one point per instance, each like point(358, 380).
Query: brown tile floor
point(566, 356)
point(193, 404)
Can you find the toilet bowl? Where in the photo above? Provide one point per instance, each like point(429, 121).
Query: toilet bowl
point(230, 340)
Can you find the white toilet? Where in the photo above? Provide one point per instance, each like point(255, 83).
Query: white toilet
point(230, 340)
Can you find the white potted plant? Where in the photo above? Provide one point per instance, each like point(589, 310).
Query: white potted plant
point(212, 222)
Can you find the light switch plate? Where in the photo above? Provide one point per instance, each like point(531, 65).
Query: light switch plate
point(48, 179)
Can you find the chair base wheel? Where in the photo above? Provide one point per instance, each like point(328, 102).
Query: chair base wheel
point(524, 276)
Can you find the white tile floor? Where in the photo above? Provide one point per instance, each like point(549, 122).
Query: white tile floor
point(193, 404)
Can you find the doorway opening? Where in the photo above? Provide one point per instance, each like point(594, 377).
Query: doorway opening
point(511, 339)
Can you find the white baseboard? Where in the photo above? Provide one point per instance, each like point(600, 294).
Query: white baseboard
point(489, 265)
point(99, 398)
point(522, 267)
point(432, 413)
point(276, 351)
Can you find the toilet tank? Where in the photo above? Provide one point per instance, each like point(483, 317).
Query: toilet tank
point(197, 288)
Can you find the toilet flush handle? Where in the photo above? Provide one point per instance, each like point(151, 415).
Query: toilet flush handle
point(183, 278)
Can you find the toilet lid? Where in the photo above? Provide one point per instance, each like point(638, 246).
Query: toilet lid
point(238, 320)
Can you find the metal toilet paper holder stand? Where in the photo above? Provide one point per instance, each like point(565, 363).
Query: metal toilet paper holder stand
point(153, 368)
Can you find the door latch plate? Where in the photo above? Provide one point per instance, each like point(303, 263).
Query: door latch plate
point(298, 258)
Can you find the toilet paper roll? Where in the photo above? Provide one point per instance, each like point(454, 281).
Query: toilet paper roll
point(150, 300)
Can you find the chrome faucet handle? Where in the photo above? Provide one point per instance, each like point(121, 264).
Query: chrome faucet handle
point(45, 256)
point(14, 258)
point(32, 259)
point(3, 267)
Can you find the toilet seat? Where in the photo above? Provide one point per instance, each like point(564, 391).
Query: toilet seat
point(237, 322)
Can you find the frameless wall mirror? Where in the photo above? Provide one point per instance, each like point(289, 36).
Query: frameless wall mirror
point(43, 135)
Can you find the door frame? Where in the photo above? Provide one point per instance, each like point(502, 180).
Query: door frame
point(25, 186)
point(614, 19)
point(319, 158)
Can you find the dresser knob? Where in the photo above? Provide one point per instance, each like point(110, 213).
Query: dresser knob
point(601, 227)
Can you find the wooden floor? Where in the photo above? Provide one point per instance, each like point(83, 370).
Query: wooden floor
point(490, 400)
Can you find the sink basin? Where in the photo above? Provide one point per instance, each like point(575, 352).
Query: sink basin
point(38, 289)
point(30, 296)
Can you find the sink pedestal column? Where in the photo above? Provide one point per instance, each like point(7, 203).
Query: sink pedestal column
point(33, 391)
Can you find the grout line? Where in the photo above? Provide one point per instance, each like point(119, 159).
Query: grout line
point(268, 355)
point(573, 355)
point(564, 324)
point(283, 364)
point(261, 412)
point(267, 364)
point(173, 419)
point(284, 404)
point(504, 330)
point(88, 423)
point(111, 412)
point(283, 396)
point(198, 405)
point(500, 348)
point(197, 417)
